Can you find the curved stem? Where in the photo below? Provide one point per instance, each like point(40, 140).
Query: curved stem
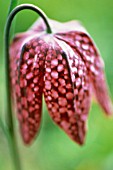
point(10, 123)
point(30, 7)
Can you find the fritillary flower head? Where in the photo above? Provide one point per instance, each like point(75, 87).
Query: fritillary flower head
point(67, 68)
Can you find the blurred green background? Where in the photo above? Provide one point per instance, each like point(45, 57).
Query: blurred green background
point(53, 150)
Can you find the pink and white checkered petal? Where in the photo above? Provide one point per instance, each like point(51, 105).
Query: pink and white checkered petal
point(61, 95)
point(81, 88)
point(84, 45)
point(21, 38)
point(29, 88)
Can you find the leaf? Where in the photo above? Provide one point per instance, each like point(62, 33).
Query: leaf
point(13, 4)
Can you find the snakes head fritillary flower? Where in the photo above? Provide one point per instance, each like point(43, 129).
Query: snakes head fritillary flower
point(67, 68)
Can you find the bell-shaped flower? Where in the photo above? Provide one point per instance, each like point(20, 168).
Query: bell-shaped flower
point(67, 68)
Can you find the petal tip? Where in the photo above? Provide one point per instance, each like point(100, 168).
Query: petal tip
point(81, 141)
point(109, 109)
point(80, 138)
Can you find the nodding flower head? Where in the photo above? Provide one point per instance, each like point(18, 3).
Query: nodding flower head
point(67, 68)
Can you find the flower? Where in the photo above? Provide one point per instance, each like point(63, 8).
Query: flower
point(66, 66)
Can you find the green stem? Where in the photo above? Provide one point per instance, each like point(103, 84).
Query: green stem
point(9, 130)
point(12, 145)
point(10, 123)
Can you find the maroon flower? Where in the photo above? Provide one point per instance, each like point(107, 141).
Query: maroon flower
point(65, 66)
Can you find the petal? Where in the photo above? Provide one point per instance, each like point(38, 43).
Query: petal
point(21, 38)
point(38, 26)
point(67, 91)
point(29, 87)
point(84, 45)
point(58, 27)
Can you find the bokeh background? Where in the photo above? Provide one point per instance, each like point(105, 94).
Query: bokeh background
point(53, 150)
